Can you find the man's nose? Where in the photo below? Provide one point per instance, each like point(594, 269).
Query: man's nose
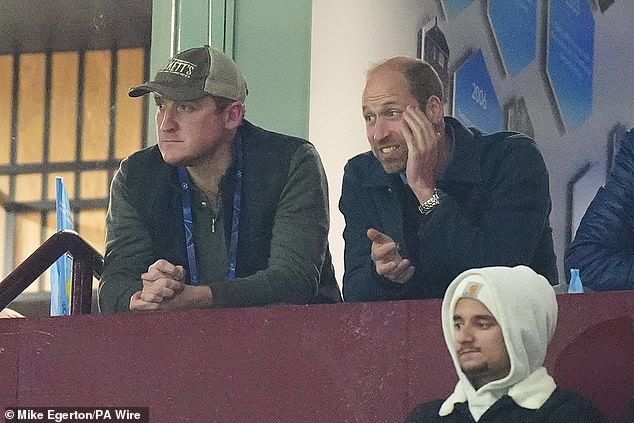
point(167, 121)
point(464, 335)
point(380, 130)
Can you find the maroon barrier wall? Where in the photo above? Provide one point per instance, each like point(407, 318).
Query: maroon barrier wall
point(366, 362)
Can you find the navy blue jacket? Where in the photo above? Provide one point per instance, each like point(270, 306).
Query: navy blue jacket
point(603, 248)
point(495, 212)
point(562, 407)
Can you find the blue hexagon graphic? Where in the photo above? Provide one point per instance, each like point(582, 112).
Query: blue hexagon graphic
point(475, 101)
point(570, 58)
point(514, 24)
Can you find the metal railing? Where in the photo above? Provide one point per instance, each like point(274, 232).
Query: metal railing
point(87, 262)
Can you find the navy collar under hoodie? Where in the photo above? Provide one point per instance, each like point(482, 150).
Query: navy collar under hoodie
point(524, 305)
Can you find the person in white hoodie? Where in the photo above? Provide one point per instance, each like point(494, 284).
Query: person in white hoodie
point(497, 323)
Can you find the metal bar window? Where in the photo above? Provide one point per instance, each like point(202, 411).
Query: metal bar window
point(82, 138)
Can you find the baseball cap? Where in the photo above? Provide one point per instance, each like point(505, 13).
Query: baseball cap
point(194, 73)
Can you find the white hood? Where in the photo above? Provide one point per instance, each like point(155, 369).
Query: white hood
point(525, 307)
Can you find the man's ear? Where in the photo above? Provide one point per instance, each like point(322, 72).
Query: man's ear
point(233, 115)
point(434, 109)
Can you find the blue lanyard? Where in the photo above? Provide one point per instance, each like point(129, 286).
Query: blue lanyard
point(188, 223)
point(235, 219)
point(188, 220)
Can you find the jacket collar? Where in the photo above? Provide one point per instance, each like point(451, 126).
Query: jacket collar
point(463, 167)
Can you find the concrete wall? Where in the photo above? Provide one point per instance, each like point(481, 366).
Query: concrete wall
point(355, 363)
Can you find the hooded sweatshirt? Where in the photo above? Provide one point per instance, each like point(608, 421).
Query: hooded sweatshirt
point(524, 305)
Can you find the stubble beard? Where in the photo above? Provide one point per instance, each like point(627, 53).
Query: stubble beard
point(477, 374)
point(391, 166)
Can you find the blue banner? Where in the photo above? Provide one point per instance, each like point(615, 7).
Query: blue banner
point(62, 270)
point(475, 101)
point(514, 24)
point(570, 58)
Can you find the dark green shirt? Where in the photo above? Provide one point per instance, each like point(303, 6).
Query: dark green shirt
point(282, 252)
point(209, 238)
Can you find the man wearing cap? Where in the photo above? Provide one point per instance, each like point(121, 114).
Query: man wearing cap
point(497, 323)
point(433, 197)
point(220, 213)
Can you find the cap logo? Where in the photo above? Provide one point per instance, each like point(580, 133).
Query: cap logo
point(472, 289)
point(180, 67)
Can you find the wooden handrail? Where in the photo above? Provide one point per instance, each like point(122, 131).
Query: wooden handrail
point(86, 262)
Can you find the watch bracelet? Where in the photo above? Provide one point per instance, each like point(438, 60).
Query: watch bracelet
point(426, 207)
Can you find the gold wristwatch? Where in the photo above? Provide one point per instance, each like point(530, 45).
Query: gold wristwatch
point(429, 205)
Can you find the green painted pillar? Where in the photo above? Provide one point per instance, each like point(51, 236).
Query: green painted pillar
point(270, 41)
point(272, 48)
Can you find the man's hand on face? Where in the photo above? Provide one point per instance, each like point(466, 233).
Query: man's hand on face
point(387, 258)
point(164, 288)
point(424, 153)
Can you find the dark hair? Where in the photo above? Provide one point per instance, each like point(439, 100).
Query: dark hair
point(222, 103)
point(423, 81)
